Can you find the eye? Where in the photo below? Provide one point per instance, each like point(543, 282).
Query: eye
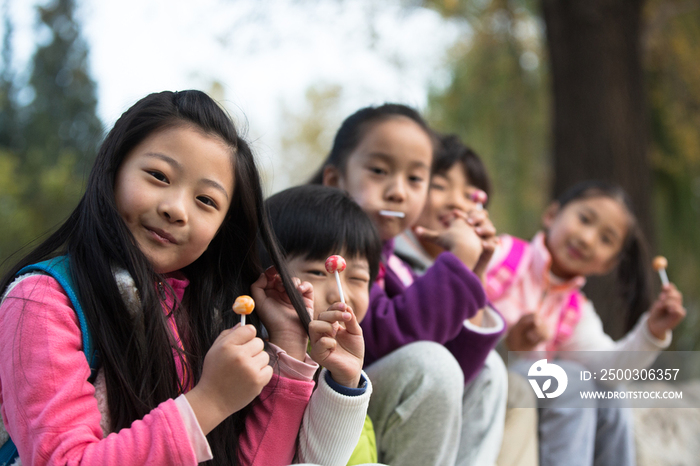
point(377, 170)
point(606, 239)
point(360, 279)
point(158, 176)
point(207, 201)
point(437, 187)
point(584, 218)
point(415, 179)
point(316, 272)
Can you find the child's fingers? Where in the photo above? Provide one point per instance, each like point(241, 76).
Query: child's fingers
point(334, 316)
point(238, 335)
point(325, 345)
point(476, 217)
point(427, 234)
point(352, 326)
point(485, 230)
point(261, 360)
point(319, 328)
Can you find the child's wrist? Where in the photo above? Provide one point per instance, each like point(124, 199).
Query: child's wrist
point(658, 332)
point(293, 343)
point(350, 381)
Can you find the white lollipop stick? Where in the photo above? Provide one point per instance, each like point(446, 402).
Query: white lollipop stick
point(391, 213)
point(340, 288)
point(664, 277)
point(242, 320)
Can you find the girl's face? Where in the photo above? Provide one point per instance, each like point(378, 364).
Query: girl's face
point(173, 191)
point(354, 280)
point(448, 191)
point(388, 171)
point(586, 236)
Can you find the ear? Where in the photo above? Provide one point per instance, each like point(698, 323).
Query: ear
point(550, 214)
point(332, 177)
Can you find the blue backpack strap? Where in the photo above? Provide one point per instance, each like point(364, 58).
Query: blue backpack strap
point(8, 453)
point(59, 269)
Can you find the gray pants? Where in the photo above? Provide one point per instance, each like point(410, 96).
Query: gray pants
point(600, 435)
point(424, 415)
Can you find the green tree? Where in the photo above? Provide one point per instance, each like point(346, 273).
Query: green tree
point(497, 103)
point(616, 95)
point(7, 105)
point(52, 144)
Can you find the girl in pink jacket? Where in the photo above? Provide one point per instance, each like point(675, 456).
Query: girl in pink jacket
point(160, 246)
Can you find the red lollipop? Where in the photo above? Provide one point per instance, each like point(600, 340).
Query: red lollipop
point(335, 264)
point(480, 197)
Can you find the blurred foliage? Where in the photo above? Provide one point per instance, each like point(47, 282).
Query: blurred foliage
point(49, 130)
point(308, 134)
point(672, 41)
point(498, 102)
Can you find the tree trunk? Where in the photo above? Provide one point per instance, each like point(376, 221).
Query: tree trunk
point(599, 123)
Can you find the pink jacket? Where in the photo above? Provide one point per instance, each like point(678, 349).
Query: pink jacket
point(52, 414)
point(532, 288)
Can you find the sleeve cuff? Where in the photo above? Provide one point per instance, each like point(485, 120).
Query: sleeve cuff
point(661, 344)
point(492, 323)
point(347, 391)
point(292, 368)
point(198, 440)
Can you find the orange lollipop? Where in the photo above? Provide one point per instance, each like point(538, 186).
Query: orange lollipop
point(660, 263)
point(243, 306)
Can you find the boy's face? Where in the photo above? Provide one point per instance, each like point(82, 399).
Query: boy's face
point(354, 280)
point(448, 191)
point(388, 171)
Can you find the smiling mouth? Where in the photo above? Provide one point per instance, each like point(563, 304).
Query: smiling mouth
point(162, 236)
point(575, 253)
point(391, 213)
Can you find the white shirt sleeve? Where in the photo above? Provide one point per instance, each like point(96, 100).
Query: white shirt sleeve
point(492, 322)
point(332, 424)
point(636, 350)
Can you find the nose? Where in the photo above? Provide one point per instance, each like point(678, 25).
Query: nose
point(332, 295)
point(587, 236)
point(396, 191)
point(173, 209)
point(457, 200)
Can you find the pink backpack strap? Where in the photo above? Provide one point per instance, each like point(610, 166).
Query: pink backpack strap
point(569, 317)
point(500, 277)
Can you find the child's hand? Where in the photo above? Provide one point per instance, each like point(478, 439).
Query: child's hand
point(483, 227)
point(529, 332)
point(666, 312)
point(459, 238)
point(235, 371)
point(277, 313)
point(339, 349)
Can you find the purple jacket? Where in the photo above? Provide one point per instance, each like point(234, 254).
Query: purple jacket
point(433, 308)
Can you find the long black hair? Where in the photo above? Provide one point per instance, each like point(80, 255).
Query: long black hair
point(451, 150)
point(355, 127)
point(633, 277)
point(136, 351)
point(315, 222)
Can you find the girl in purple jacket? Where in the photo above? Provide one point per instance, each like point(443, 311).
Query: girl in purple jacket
point(382, 156)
